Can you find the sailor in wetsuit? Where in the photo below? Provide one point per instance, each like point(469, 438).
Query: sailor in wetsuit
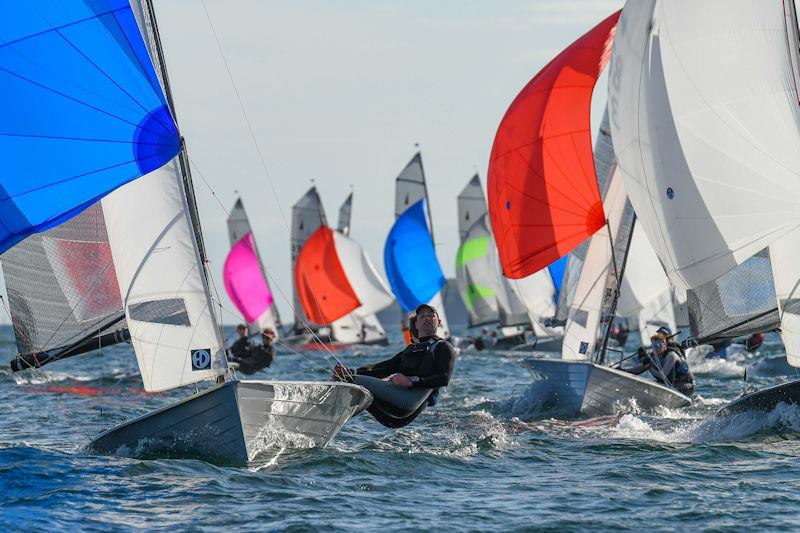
point(666, 365)
point(242, 347)
point(405, 384)
point(260, 355)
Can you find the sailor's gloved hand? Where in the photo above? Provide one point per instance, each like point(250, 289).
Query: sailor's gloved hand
point(642, 353)
point(342, 373)
point(400, 379)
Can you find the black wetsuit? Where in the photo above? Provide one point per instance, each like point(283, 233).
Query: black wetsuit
point(429, 364)
point(240, 349)
point(260, 357)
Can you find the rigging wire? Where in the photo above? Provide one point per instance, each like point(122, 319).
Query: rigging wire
point(267, 174)
point(47, 378)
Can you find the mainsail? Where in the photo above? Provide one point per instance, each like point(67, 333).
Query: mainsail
point(307, 216)
point(592, 294)
point(646, 294)
point(409, 255)
point(476, 271)
point(704, 114)
point(244, 275)
point(345, 210)
point(543, 195)
point(161, 267)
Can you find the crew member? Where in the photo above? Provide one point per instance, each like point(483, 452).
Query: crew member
point(242, 347)
point(666, 365)
point(405, 384)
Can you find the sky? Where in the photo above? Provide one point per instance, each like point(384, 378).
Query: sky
point(337, 94)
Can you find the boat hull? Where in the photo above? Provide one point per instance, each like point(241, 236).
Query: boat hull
point(585, 389)
point(764, 400)
point(233, 422)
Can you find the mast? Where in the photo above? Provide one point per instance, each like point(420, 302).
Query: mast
point(183, 159)
point(601, 356)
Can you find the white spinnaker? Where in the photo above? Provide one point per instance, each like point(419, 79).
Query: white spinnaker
point(162, 282)
point(538, 294)
point(580, 333)
point(646, 294)
point(706, 127)
point(355, 329)
point(784, 255)
point(370, 288)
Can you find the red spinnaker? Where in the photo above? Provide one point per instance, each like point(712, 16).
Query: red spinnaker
point(322, 286)
point(543, 194)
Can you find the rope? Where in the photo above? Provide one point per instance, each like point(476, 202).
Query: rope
point(62, 406)
point(268, 176)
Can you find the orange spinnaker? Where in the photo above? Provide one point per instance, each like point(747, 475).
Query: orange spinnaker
point(322, 286)
point(543, 194)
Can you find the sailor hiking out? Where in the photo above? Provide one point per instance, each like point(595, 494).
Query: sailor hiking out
point(666, 365)
point(408, 382)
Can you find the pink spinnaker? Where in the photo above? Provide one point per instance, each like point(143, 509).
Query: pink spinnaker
point(244, 280)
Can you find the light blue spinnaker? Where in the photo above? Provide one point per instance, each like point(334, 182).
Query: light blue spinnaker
point(556, 270)
point(410, 259)
point(83, 111)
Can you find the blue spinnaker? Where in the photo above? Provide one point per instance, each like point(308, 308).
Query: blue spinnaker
point(410, 259)
point(83, 111)
point(556, 270)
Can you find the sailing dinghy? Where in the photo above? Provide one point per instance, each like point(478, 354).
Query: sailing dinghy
point(409, 255)
point(518, 307)
point(245, 278)
point(706, 133)
point(132, 266)
point(547, 163)
point(338, 289)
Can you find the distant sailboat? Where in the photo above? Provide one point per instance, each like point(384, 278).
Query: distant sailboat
point(362, 325)
point(92, 99)
point(245, 278)
point(409, 255)
point(542, 157)
point(708, 142)
point(490, 297)
point(337, 286)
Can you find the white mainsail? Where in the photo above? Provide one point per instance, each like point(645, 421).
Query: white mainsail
point(785, 257)
point(646, 295)
point(705, 120)
point(162, 281)
point(580, 333)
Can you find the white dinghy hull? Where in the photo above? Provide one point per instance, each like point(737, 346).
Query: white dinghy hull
point(586, 389)
point(234, 421)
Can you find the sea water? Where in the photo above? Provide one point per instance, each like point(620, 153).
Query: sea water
point(488, 456)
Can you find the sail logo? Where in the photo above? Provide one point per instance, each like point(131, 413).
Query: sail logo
point(201, 359)
point(584, 347)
